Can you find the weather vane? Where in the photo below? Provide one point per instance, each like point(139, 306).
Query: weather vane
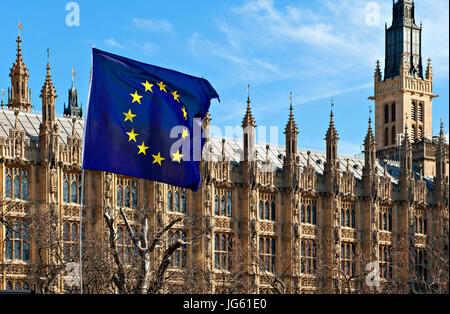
point(290, 97)
point(20, 27)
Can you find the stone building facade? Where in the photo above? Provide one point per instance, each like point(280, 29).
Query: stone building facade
point(305, 221)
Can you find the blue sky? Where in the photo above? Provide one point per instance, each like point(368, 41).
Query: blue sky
point(317, 49)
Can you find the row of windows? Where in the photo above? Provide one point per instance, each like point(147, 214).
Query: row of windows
point(417, 111)
point(308, 257)
point(17, 238)
point(266, 211)
point(386, 113)
point(179, 257)
point(125, 247)
point(421, 264)
point(17, 286)
point(393, 136)
point(267, 253)
point(176, 201)
point(17, 183)
point(308, 215)
point(223, 245)
point(71, 241)
point(72, 188)
point(348, 215)
point(348, 259)
point(420, 225)
point(223, 203)
point(127, 193)
point(385, 219)
point(385, 261)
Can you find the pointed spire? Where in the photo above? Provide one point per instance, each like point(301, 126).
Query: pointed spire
point(291, 126)
point(48, 88)
point(331, 133)
point(429, 72)
point(248, 118)
point(378, 71)
point(370, 139)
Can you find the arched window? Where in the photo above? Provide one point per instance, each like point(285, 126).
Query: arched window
point(393, 136)
point(73, 192)
point(308, 214)
point(16, 187)
point(169, 201)
point(425, 227)
point(216, 206)
point(420, 225)
point(134, 196)
point(223, 206)
point(266, 210)
point(314, 213)
point(177, 202)
point(384, 222)
point(303, 214)
point(217, 255)
point(419, 132)
point(413, 132)
point(25, 188)
point(183, 202)
point(229, 206)
point(393, 112)
point(273, 216)
point(390, 220)
point(119, 196)
point(342, 218)
point(261, 210)
point(386, 137)
point(66, 192)
point(347, 218)
point(127, 197)
point(353, 218)
point(420, 112)
point(386, 113)
point(8, 186)
point(413, 110)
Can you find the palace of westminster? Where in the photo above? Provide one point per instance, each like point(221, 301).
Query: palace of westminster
point(303, 220)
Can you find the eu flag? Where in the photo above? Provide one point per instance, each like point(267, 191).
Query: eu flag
point(145, 121)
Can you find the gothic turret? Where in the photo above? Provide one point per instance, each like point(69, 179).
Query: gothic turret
point(248, 126)
point(73, 110)
point(19, 95)
point(331, 142)
point(406, 171)
point(48, 129)
point(48, 95)
point(404, 36)
point(369, 152)
point(441, 158)
point(291, 132)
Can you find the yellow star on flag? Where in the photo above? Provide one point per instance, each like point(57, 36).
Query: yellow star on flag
point(136, 97)
point(185, 134)
point(129, 116)
point(158, 159)
point(132, 136)
point(177, 157)
point(184, 113)
point(142, 149)
point(175, 96)
point(161, 86)
point(148, 86)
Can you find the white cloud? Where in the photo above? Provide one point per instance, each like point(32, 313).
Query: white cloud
point(154, 25)
point(113, 43)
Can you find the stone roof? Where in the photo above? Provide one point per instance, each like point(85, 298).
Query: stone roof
point(233, 148)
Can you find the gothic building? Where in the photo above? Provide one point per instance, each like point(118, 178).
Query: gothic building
point(304, 222)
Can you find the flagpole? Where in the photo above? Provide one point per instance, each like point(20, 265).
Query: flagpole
point(81, 231)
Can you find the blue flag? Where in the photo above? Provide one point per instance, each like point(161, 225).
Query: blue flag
point(145, 121)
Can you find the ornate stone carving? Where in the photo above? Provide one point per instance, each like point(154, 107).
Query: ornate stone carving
point(108, 189)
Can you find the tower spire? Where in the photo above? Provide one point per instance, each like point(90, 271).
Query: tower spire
point(248, 118)
point(331, 142)
point(291, 132)
point(19, 95)
point(48, 95)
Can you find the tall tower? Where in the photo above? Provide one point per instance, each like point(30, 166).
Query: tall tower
point(404, 90)
point(72, 109)
point(19, 95)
